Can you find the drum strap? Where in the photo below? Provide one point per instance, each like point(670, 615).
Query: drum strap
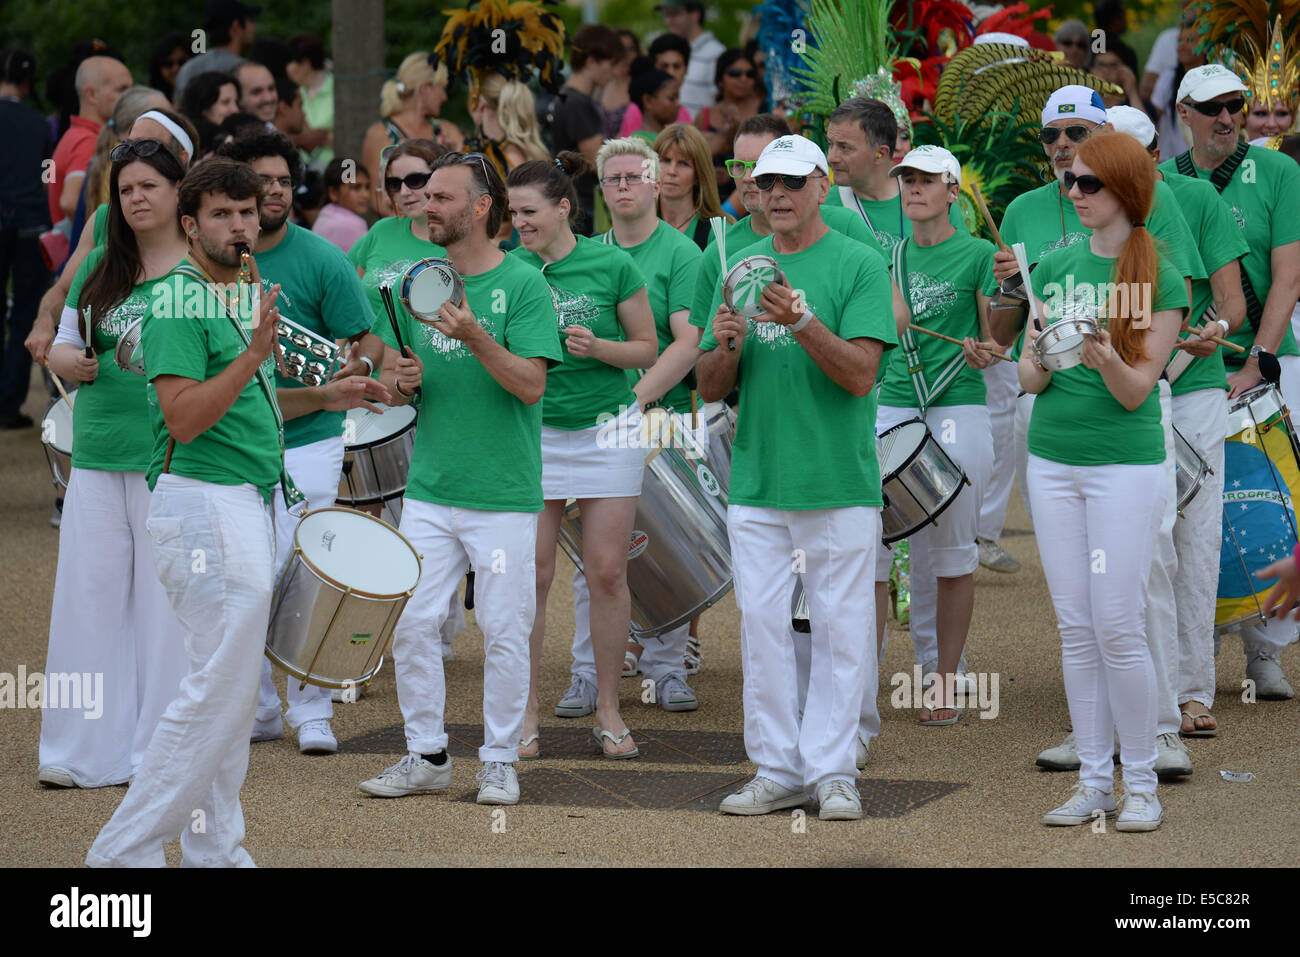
point(926, 391)
point(1220, 179)
point(292, 496)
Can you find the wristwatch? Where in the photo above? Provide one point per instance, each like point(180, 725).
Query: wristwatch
point(1256, 352)
point(802, 324)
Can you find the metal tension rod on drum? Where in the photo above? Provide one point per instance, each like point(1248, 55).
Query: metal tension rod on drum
point(311, 667)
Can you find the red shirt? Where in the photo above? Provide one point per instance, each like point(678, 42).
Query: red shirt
point(72, 155)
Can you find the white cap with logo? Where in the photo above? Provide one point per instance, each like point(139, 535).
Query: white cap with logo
point(1075, 102)
point(930, 159)
point(1134, 122)
point(792, 155)
point(1207, 82)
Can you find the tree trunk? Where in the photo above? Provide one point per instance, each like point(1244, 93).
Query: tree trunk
point(359, 70)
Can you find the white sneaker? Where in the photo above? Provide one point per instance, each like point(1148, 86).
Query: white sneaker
point(316, 737)
point(1270, 679)
point(272, 729)
point(411, 775)
point(1172, 759)
point(864, 754)
point(994, 557)
point(1142, 812)
point(761, 796)
point(55, 778)
point(1079, 808)
point(1065, 756)
point(839, 801)
point(579, 700)
point(497, 784)
point(693, 660)
point(674, 694)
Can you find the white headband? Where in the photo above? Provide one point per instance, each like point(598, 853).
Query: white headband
point(172, 127)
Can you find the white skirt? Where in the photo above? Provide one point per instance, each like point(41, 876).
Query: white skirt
point(604, 461)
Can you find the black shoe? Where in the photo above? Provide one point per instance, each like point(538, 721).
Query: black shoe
point(16, 420)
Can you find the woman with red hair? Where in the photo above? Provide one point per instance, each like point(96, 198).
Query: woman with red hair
point(1096, 476)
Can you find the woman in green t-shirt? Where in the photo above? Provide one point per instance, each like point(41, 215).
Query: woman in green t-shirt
point(111, 616)
point(1096, 473)
point(591, 447)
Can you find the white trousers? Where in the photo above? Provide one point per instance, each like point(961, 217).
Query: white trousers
point(502, 547)
point(1096, 530)
point(315, 469)
point(1024, 411)
point(111, 626)
point(189, 781)
point(838, 548)
point(1002, 384)
point(662, 656)
point(1202, 418)
point(948, 549)
point(1161, 612)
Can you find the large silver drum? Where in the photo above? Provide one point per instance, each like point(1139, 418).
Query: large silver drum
point(918, 479)
point(721, 419)
point(376, 454)
point(679, 560)
point(339, 597)
point(1190, 470)
point(56, 435)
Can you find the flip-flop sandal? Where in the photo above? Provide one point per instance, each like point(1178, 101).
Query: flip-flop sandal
point(1199, 732)
point(941, 722)
point(525, 742)
point(599, 734)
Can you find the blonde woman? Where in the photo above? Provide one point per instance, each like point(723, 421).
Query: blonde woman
point(505, 122)
point(409, 104)
point(688, 191)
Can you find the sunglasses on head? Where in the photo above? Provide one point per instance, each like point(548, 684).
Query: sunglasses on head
point(1050, 134)
point(1087, 183)
point(1215, 107)
point(128, 148)
point(737, 73)
point(792, 183)
point(739, 168)
point(413, 181)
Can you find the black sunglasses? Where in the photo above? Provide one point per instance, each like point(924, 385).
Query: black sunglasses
point(1087, 183)
point(738, 73)
point(413, 181)
point(1050, 134)
point(792, 183)
point(1215, 107)
point(128, 148)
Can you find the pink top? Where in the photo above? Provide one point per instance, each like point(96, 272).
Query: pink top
point(632, 119)
point(340, 226)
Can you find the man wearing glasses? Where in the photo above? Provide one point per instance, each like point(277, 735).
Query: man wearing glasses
point(804, 499)
point(1262, 188)
point(320, 291)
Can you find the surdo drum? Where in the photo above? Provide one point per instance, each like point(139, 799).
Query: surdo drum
point(918, 481)
point(377, 450)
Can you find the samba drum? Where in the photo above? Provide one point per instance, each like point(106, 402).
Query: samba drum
point(129, 354)
point(427, 285)
point(377, 451)
point(1060, 345)
point(1190, 470)
point(919, 480)
point(744, 284)
point(1261, 476)
point(721, 419)
point(56, 436)
point(339, 597)
point(679, 559)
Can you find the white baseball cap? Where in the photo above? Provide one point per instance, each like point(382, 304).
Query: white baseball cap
point(1207, 82)
point(1134, 122)
point(1075, 101)
point(792, 155)
point(930, 159)
point(1010, 39)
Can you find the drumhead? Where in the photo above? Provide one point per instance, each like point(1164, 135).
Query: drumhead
point(56, 427)
point(364, 427)
point(745, 282)
point(427, 285)
point(1067, 343)
point(357, 551)
point(899, 444)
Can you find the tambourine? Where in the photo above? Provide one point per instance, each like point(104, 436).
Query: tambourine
point(1060, 345)
point(427, 285)
point(129, 354)
point(744, 284)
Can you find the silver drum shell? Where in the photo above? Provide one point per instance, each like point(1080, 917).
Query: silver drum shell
point(919, 489)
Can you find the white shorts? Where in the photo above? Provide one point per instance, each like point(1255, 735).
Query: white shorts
point(604, 461)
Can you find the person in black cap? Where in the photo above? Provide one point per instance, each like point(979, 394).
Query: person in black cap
point(229, 25)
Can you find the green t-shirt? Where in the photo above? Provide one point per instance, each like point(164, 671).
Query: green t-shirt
point(99, 227)
point(187, 333)
point(1218, 242)
point(477, 445)
point(111, 416)
point(385, 252)
point(1263, 196)
point(587, 286)
point(1076, 420)
point(646, 135)
point(320, 291)
point(669, 261)
point(741, 235)
point(942, 284)
point(319, 112)
point(885, 216)
point(805, 442)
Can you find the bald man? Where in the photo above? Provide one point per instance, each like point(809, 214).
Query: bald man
point(100, 81)
point(259, 96)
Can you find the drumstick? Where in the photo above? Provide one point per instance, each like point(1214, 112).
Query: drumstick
point(719, 227)
point(59, 385)
point(695, 422)
point(1022, 260)
point(988, 218)
point(1221, 341)
point(386, 294)
point(940, 335)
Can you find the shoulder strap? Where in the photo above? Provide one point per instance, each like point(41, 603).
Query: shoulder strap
point(927, 390)
point(701, 235)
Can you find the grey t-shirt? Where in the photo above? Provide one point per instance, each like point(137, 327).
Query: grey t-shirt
point(214, 61)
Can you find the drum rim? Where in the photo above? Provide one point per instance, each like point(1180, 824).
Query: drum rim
point(329, 580)
point(295, 672)
point(726, 279)
point(375, 443)
point(1054, 330)
point(49, 411)
point(914, 453)
point(420, 266)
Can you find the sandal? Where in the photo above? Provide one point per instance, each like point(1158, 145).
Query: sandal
point(632, 659)
point(933, 722)
point(600, 735)
point(1198, 732)
point(525, 742)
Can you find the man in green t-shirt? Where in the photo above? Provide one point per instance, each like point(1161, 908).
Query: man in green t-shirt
point(218, 455)
point(319, 291)
point(1262, 188)
point(475, 485)
point(802, 487)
